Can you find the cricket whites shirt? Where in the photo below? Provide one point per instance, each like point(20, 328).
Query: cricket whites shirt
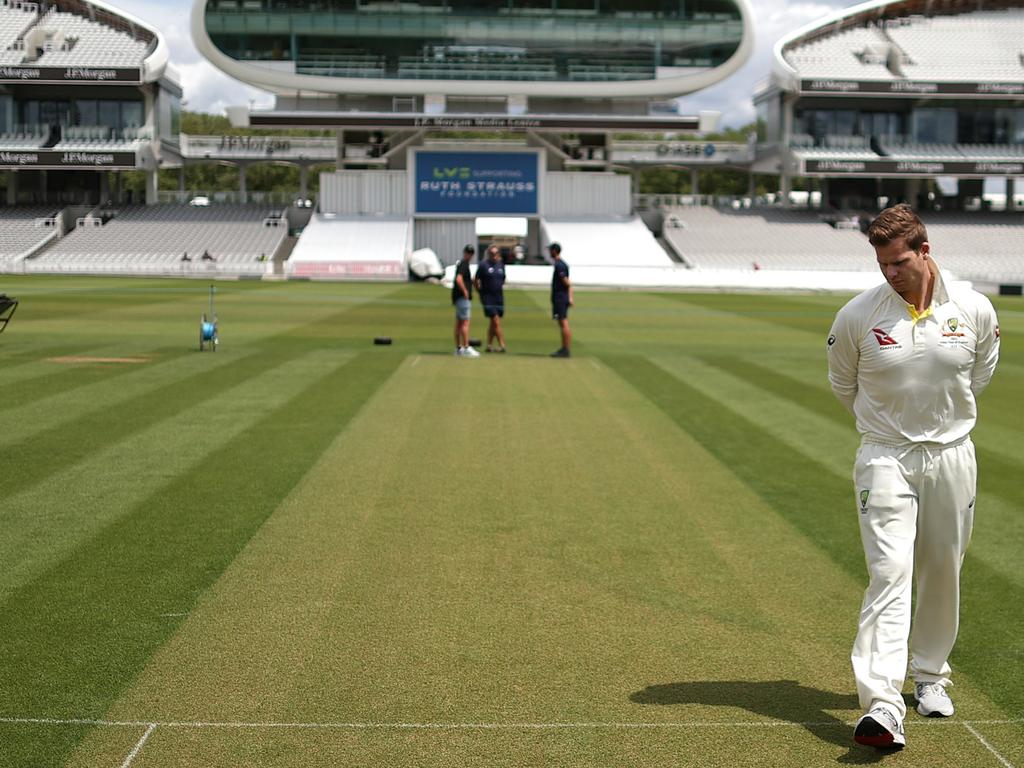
point(910, 377)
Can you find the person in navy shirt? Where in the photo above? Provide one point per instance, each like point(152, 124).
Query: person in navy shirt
point(490, 282)
point(561, 298)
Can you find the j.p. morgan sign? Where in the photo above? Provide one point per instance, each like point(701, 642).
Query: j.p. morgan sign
point(55, 159)
point(910, 88)
point(912, 168)
point(20, 74)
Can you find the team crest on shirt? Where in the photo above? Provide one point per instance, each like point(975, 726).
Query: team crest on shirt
point(951, 325)
point(864, 501)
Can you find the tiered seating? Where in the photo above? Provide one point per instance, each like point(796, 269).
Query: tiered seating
point(153, 240)
point(982, 45)
point(983, 247)
point(606, 243)
point(24, 229)
point(100, 138)
point(858, 53)
point(908, 149)
point(770, 238)
point(991, 151)
point(844, 147)
point(89, 43)
point(483, 68)
point(25, 137)
point(15, 19)
point(609, 68)
point(339, 63)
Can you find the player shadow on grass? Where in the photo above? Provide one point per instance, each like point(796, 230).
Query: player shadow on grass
point(780, 700)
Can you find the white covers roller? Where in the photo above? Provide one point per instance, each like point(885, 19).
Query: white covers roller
point(352, 247)
point(623, 243)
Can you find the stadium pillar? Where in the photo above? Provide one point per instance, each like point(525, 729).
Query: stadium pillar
point(304, 182)
point(787, 186)
point(12, 188)
point(1011, 194)
point(340, 161)
point(152, 186)
point(104, 186)
point(694, 182)
point(243, 191)
point(181, 178)
point(751, 187)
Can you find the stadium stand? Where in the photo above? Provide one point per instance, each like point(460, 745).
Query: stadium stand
point(859, 53)
point(15, 19)
point(982, 45)
point(606, 243)
point(773, 239)
point(980, 246)
point(73, 40)
point(25, 230)
point(237, 240)
point(352, 247)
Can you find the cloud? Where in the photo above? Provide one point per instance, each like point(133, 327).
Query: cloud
point(773, 19)
point(209, 90)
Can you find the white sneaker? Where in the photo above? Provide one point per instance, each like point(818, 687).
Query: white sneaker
point(458, 352)
point(932, 700)
point(470, 352)
point(881, 729)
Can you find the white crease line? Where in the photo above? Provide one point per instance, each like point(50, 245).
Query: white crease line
point(984, 742)
point(138, 746)
point(415, 361)
point(479, 726)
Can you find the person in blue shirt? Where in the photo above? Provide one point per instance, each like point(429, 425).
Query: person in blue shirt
point(561, 298)
point(490, 282)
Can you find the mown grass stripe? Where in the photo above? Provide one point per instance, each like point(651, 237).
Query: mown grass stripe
point(819, 503)
point(48, 413)
point(80, 633)
point(55, 378)
point(46, 521)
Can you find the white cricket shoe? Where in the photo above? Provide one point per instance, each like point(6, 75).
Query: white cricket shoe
point(881, 729)
point(469, 352)
point(932, 700)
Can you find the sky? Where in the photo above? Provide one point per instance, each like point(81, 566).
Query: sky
point(209, 90)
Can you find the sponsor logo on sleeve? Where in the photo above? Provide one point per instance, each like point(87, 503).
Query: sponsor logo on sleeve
point(864, 501)
point(831, 339)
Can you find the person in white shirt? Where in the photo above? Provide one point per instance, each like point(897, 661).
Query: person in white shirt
point(908, 360)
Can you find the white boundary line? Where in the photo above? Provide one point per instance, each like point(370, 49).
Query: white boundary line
point(138, 746)
point(151, 725)
point(984, 742)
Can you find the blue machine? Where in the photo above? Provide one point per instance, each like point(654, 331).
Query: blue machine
point(208, 326)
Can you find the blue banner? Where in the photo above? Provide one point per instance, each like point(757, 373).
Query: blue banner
point(477, 182)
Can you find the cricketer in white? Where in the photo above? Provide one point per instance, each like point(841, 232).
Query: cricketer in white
point(908, 360)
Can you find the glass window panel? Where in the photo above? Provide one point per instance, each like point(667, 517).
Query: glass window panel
point(87, 112)
point(131, 114)
point(110, 114)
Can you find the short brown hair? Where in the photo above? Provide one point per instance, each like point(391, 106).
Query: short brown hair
point(896, 222)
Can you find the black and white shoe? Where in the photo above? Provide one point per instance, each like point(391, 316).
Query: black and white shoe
point(881, 729)
point(562, 352)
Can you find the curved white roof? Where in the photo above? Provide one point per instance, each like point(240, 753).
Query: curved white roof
point(280, 82)
point(893, 40)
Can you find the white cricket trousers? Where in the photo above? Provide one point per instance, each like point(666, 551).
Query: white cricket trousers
point(916, 507)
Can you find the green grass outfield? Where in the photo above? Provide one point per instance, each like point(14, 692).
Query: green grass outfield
point(305, 550)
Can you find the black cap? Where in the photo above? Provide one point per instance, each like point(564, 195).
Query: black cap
point(469, 249)
point(557, 247)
